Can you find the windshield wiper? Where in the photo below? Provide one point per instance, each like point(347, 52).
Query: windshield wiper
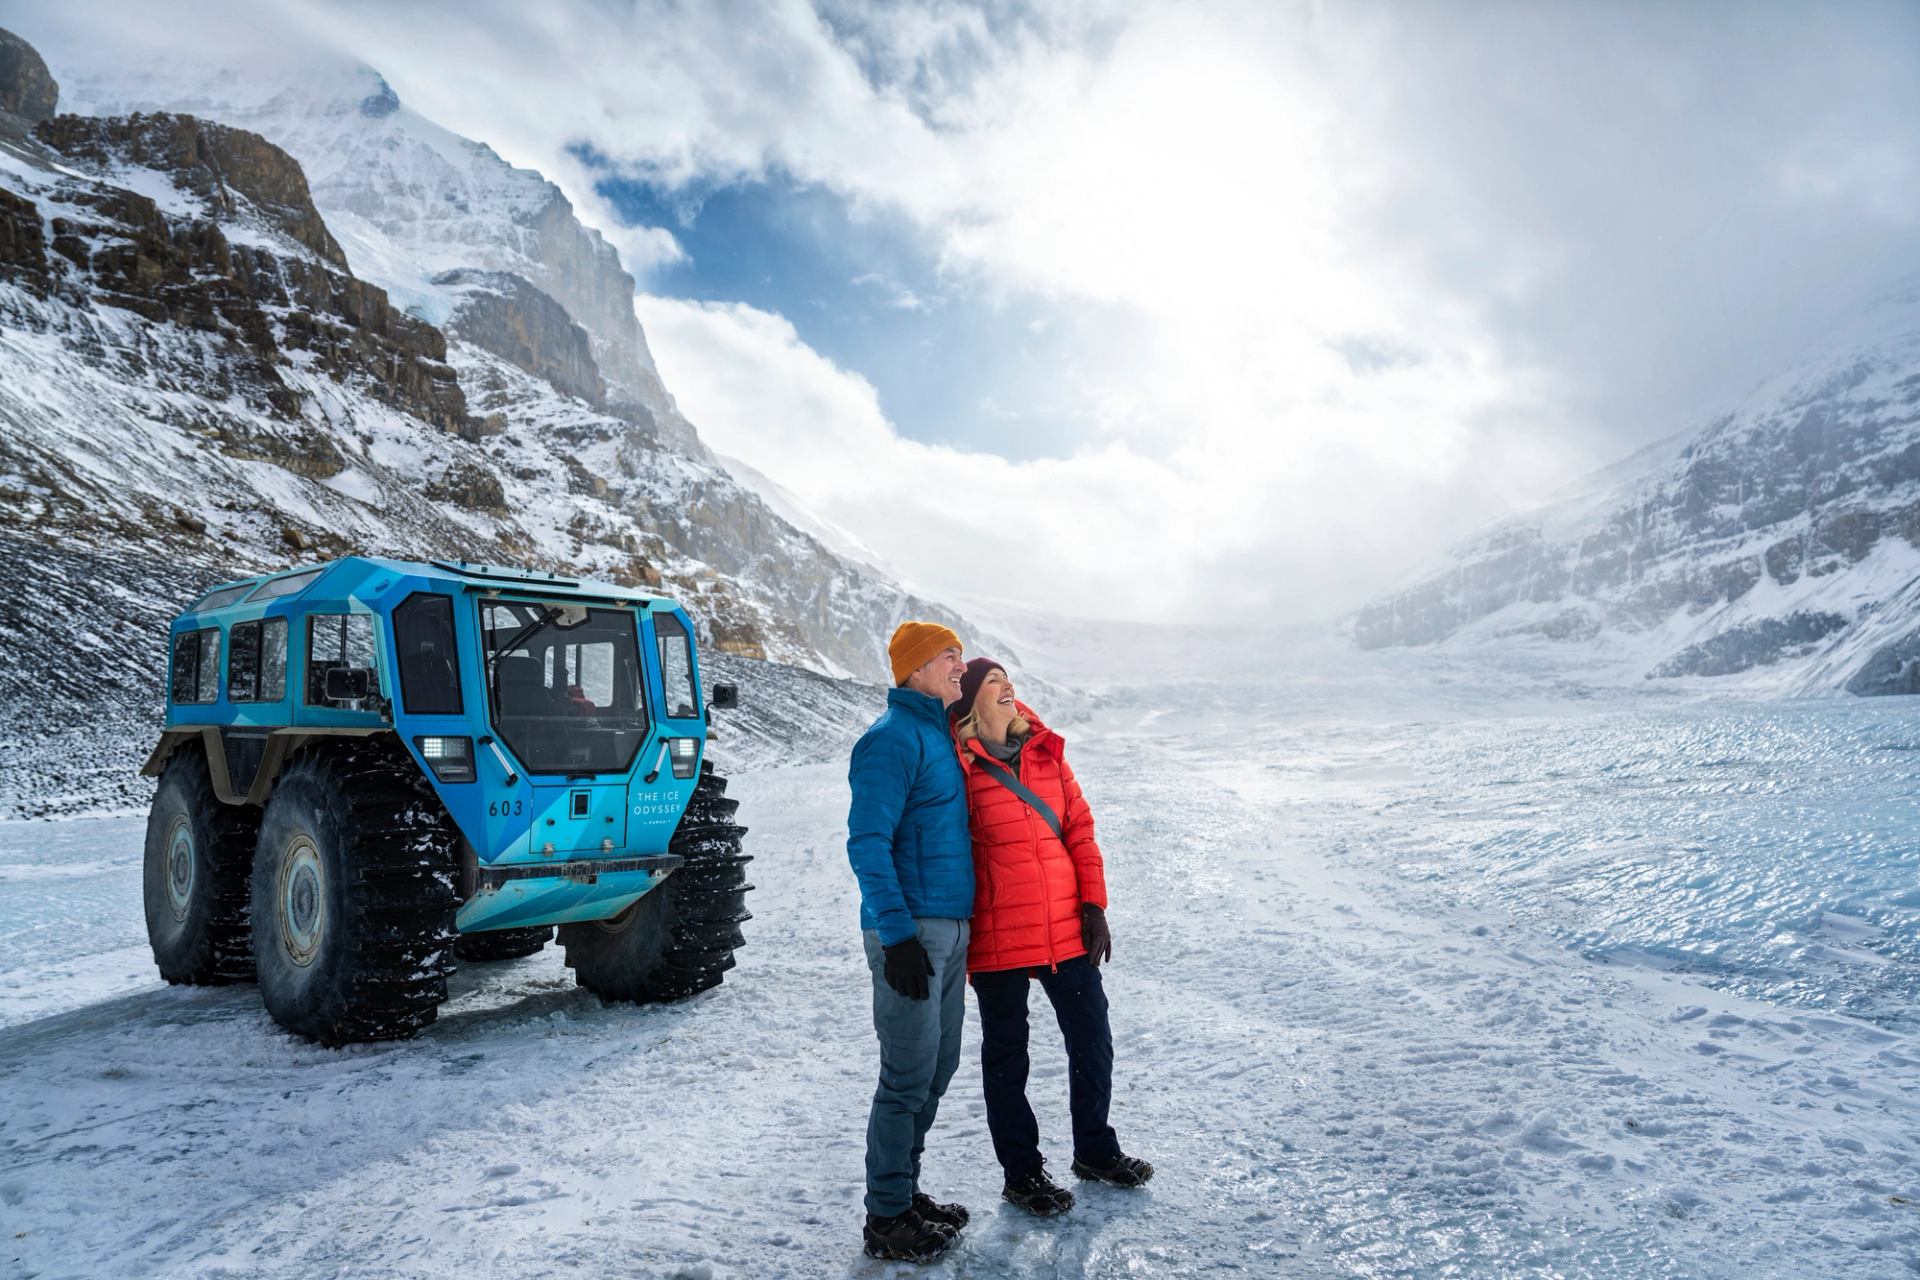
point(524, 634)
point(520, 637)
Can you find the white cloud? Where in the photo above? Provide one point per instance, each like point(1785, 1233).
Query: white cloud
point(1215, 530)
point(893, 293)
point(643, 250)
point(1879, 177)
point(1063, 533)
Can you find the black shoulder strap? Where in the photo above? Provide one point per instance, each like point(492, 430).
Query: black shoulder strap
point(1019, 788)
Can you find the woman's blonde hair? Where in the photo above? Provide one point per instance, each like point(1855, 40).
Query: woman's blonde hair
point(969, 726)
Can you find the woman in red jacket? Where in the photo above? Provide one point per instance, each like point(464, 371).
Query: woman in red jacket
point(1039, 909)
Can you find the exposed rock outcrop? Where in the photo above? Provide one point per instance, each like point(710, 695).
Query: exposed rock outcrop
point(23, 244)
point(210, 160)
point(184, 270)
point(430, 200)
point(470, 485)
point(1762, 642)
point(506, 315)
point(1893, 669)
point(582, 271)
point(356, 332)
point(27, 88)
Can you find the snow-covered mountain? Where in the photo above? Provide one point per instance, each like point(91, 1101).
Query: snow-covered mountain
point(207, 372)
point(1778, 546)
point(494, 396)
point(431, 217)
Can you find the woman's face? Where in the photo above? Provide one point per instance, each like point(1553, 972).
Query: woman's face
point(994, 703)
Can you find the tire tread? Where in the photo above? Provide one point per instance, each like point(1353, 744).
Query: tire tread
point(707, 898)
point(398, 850)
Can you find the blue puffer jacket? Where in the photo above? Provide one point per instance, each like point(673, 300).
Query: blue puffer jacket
point(907, 830)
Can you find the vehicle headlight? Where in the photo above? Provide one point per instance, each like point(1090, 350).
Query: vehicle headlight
point(684, 751)
point(451, 759)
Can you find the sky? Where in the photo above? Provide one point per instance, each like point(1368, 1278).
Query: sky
point(1232, 312)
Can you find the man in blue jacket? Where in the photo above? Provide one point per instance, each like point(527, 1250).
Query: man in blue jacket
point(907, 839)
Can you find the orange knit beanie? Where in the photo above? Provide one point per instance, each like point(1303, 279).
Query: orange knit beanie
point(914, 644)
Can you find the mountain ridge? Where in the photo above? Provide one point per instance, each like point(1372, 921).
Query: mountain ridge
point(1775, 545)
point(371, 159)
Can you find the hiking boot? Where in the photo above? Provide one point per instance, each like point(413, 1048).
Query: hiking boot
point(1036, 1193)
point(1121, 1171)
point(949, 1218)
point(905, 1237)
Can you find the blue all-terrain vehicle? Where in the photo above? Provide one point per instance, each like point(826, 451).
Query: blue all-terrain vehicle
point(372, 766)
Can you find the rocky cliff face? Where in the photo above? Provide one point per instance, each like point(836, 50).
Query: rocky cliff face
point(580, 269)
point(411, 202)
point(112, 246)
point(27, 88)
point(1776, 541)
point(507, 316)
point(221, 166)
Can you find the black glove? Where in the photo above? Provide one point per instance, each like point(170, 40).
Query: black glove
point(1094, 935)
point(908, 968)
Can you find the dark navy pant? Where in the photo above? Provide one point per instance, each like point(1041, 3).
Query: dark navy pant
point(1080, 1007)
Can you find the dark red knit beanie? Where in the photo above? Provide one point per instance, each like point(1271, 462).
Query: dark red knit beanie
point(970, 682)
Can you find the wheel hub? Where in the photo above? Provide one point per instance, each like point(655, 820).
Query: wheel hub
point(180, 868)
point(303, 900)
point(622, 922)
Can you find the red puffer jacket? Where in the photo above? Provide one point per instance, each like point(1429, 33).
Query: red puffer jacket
point(1028, 885)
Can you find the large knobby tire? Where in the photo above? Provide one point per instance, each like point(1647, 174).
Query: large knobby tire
point(502, 944)
point(353, 896)
point(195, 878)
point(680, 938)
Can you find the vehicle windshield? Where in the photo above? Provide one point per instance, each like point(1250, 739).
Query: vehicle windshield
point(564, 684)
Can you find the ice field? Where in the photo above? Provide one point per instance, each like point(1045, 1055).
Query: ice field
point(1406, 983)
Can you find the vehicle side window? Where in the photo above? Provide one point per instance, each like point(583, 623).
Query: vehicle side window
point(273, 660)
point(425, 653)
point(196, 666)
point(221, 597)
point(676, 667)
point(337, 640)
point(291, 585)
point(257, 661)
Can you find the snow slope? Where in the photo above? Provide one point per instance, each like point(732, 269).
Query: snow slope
point(1445, 980)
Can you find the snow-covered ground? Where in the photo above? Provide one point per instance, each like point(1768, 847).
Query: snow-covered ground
point(1408, 981)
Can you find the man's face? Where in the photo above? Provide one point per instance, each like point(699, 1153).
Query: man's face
point(939, 676)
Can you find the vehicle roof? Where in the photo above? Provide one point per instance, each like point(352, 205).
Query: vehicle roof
point(467, 574)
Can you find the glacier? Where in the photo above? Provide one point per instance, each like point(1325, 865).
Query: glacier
point(1420, 969)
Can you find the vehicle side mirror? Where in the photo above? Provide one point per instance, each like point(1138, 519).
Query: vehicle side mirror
point(349, 684)
point(725, 697)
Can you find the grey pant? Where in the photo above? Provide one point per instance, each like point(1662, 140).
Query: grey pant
point(919, 1052)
